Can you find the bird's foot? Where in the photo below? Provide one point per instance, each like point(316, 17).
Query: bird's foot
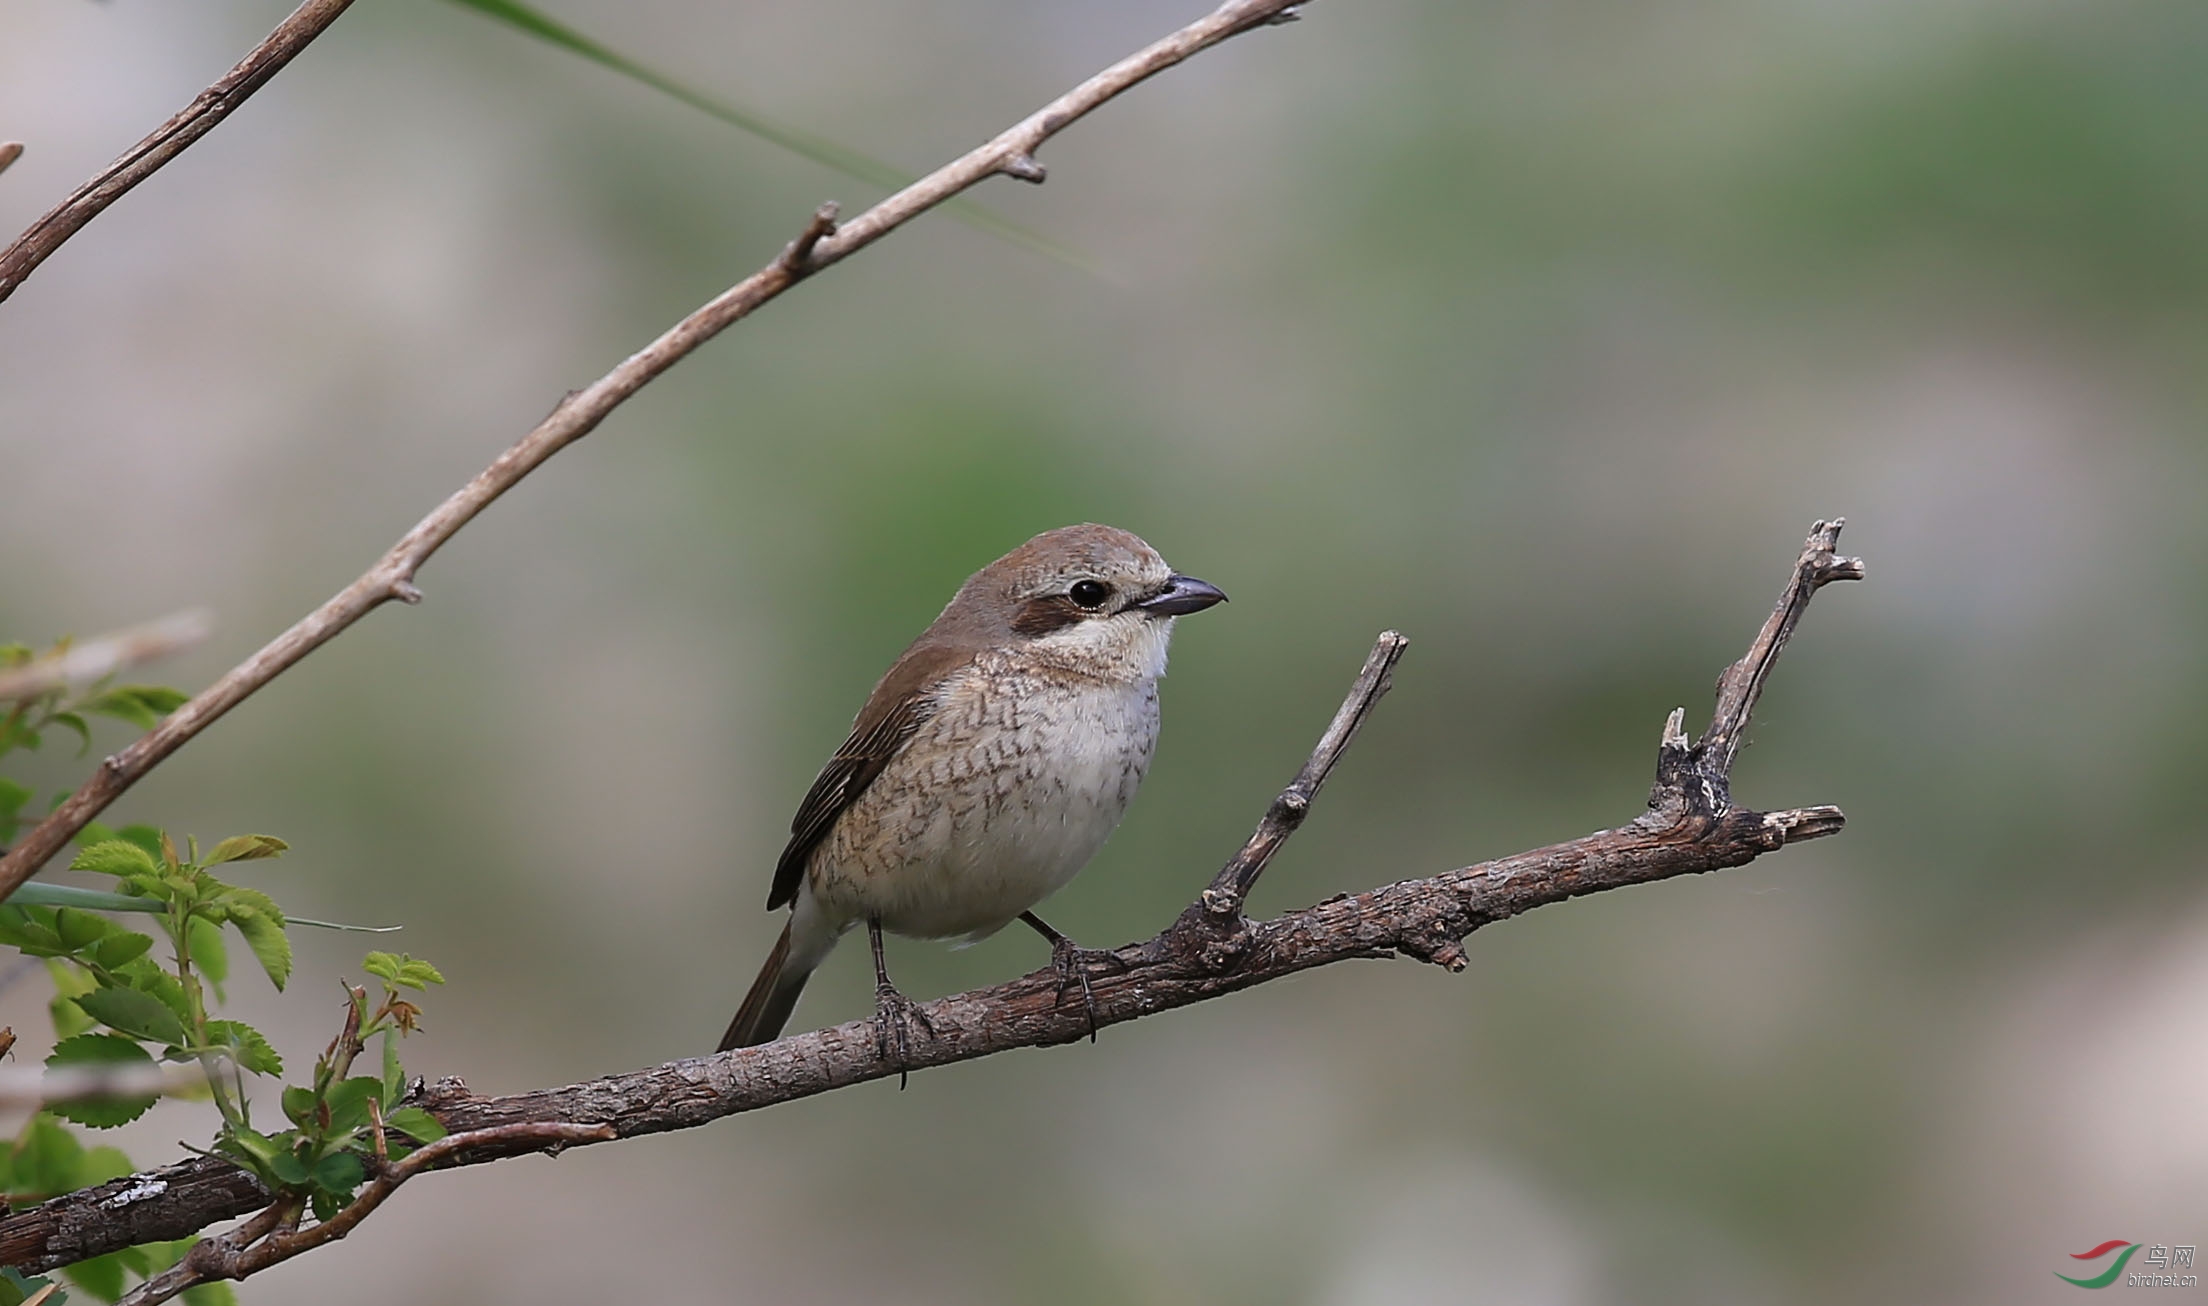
point(1070, 962)
point(894, 1016)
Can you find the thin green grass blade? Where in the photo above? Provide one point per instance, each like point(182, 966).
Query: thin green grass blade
point(797, 140)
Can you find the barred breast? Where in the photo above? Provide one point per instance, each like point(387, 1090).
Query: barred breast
point(1005, 793)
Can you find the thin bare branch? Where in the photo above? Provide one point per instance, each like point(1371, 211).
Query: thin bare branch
point(96, 659)
point(267, 1241)
point(168, 140)
point(1231, 887)
point(1689, 827)
point(580, 413)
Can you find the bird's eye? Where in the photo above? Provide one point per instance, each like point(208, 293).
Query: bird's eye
point(1089, 593)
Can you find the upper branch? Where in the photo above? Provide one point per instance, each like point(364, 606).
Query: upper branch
point(1691, 826)
point(821, 245)
point(168, 140)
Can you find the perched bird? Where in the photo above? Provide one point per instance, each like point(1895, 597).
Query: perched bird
point(989, 764)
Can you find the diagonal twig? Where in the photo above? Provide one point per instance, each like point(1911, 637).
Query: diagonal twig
point(1196, 958)
point(168, 140)
point(265, 1241)
point(577, 415)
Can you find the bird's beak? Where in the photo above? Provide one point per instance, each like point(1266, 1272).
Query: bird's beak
point(1181, 596)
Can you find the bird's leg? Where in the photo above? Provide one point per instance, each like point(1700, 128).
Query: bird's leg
point(1071, 962)
point(892, 1011)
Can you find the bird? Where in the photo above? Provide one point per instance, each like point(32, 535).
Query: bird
point(989, 764)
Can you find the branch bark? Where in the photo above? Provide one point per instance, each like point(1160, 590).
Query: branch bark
point(821, 245)
point(170, 139)
point(1690, 825)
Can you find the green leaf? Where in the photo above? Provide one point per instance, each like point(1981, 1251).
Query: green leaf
point(80, 928)
point(419, 975)
point(133, 1012)
point(101, 1164)
point(288, 1169)
point(121, 947)
point(301, 1107)
point(101, 1276)
point(76, 723)
point(382, 965)
point(141, 705)
point(348, 1102)
point(15, 1289)
point(12, 798)
point(100, 1050)
point(264, 934)
point(116, 857)
point(250, 1148)
point(70, 983)
point(247, 848)
point(394, 1074)
point(36, 894)
point(144, 976)
point(416, 1124)
point(210, 1294)
point(210, 955)
point(797, 140)
point(46, 1160)
point(338, 1174)
point(246, 1045)
point(30, 929)
point(326, 1204)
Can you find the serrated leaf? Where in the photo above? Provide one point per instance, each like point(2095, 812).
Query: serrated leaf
point(247, 848)
point(416, 1124)
point(246, 1045)
point(265, 936)
point(115, 857)
point(133, 1012)
point(31, 930)
point(338, 1174)
point(100, 1050)
point(382, 965)
point(419, 975)
point(146, 977)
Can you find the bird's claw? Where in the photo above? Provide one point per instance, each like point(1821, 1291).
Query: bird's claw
point(894, 1016)
point(1070, 962)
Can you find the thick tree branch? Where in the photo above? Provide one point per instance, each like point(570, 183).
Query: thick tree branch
point(1691, 825)
point(168, 140)
point(820, 245)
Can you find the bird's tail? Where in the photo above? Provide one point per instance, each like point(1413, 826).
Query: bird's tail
point(774, 994)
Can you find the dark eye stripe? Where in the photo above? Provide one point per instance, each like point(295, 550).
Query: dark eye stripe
point(1040, 616)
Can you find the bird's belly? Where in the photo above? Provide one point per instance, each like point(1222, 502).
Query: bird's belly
point(970, 831)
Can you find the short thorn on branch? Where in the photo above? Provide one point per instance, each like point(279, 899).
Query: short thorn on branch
point(406, 591)
point(1023, 167)
point(798, 258)
point(10, 151)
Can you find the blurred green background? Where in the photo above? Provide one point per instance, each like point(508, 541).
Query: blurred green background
point(1540, 331)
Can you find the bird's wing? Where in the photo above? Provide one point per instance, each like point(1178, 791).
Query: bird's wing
point(903, 702)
